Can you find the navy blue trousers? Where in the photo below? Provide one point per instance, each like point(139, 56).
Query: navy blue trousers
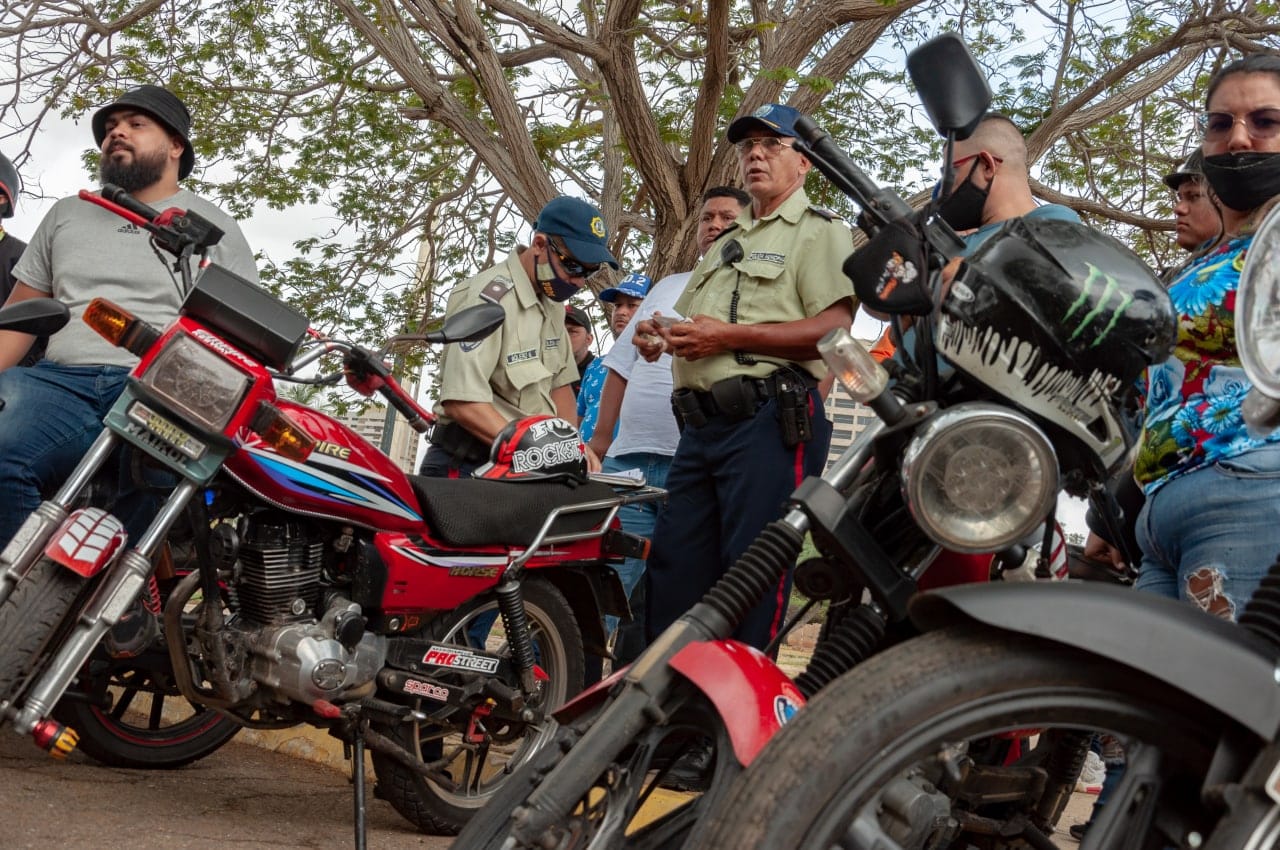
point(727, 482)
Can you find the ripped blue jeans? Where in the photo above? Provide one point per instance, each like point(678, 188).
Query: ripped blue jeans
point(1211, 535)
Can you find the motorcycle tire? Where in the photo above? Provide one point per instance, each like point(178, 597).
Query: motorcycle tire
point(437, 810)
point(821, 782)
point(128, 713)
point(620, 793)
point(30, 617)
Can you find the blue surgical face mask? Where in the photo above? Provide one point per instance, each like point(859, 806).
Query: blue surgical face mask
point(553, 286)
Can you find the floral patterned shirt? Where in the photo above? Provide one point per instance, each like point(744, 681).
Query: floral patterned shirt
point(1192, 401)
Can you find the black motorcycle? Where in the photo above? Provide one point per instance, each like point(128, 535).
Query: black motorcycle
point(884, 757)
point(954, 463)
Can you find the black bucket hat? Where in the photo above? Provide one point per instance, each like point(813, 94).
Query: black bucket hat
point(161, 104)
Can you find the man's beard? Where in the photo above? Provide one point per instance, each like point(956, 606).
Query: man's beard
point(141, 171)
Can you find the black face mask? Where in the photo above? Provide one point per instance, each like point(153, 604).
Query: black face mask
point(553, 285)
point(963, 208)
point(1243, 181)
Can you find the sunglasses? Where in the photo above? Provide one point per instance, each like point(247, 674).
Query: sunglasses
point(572, 266)
point(1259, 124)
point(770, 145)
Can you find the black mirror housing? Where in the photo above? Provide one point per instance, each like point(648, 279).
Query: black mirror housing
point(951, 86)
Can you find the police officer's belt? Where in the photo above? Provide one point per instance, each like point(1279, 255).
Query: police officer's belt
point(461, 444)
point(736, 398)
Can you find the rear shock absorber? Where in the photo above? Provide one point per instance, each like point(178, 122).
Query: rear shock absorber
point(516, 622)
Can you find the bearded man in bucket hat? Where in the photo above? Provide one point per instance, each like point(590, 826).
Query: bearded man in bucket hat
point(526, 367)
point(52, 411)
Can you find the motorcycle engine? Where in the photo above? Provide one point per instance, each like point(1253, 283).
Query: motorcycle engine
point(292, 645)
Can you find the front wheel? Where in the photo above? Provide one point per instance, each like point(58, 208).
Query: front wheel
point(481, 765)
point(883, 757)
point(633, 804)
point(129, 713)
point(29, 618)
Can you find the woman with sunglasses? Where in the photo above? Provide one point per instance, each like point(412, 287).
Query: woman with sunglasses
point(1211, 523)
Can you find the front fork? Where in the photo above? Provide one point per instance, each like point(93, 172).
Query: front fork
point(122, 580)
point(26, 547)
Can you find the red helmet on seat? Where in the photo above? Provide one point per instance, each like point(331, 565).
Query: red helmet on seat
point(536, 448)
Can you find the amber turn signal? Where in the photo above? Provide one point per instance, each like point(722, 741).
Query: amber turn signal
point(282, 433)
point(120, 327)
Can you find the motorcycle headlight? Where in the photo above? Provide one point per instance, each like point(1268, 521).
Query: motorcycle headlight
point(196, 382)
point(979, 477)
point(1257, 316)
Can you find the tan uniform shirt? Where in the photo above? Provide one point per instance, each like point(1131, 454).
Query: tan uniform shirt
point(517, 366)
point(789, 270)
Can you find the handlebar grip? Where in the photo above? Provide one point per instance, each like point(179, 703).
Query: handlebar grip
point(120, 197)
point(881, 204)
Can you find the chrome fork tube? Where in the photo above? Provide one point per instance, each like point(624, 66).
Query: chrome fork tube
point(27, 545)
point(122, 583)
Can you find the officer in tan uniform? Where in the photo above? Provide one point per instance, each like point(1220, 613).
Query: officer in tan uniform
point(746, 368)
point(526, 367)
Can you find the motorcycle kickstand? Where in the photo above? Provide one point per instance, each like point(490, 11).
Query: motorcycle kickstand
point(355, 751)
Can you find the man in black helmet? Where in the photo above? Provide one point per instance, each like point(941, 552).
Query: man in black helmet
point(11, 247)
point(53, 410)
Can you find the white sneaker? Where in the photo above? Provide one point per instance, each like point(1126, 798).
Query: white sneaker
point(1091, 775)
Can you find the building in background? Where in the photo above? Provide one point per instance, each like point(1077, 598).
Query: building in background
point(403, 449)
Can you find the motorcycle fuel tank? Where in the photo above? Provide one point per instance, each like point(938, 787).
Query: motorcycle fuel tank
point(344, 478)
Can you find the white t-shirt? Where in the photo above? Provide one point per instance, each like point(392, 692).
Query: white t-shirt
point(645, 422)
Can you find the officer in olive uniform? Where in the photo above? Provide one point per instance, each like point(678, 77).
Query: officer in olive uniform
point(526, 367)
point(746, 369)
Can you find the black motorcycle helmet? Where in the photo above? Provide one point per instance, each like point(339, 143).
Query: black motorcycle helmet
point(1061, 320)
point(9, 185)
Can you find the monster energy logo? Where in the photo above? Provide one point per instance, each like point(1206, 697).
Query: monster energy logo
point(1112, 286)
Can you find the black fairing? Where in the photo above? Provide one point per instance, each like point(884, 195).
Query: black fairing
point(1061, 320)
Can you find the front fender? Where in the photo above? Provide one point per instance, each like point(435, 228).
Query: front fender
point(752, 696)
point(87, 541)
point(1213, 661)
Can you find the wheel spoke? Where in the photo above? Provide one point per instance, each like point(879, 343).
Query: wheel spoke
point(123, 703)
point(157, 712)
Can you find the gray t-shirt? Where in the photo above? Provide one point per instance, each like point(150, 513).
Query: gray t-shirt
point(81, 251)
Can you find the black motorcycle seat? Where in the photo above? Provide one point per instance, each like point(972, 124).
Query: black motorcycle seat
point(474, 512)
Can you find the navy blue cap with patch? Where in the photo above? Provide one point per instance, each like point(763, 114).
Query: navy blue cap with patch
point(773, 117)
point(635, 285)
point(581, 227)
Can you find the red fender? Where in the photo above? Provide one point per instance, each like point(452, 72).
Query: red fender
point(753, 697)
point(589, 698)
point(87, 541)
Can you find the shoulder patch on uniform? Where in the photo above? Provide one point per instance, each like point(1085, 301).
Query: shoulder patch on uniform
point(495, 289)
point(829, 215)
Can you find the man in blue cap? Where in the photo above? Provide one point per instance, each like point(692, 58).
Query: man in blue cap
point(526, 367)
point(746, 369)
point(625, 297)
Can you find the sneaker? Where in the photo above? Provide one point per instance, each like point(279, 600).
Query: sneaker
point(692, 771)
point(133, 635)
point(1078, 830)
point(1091, 775)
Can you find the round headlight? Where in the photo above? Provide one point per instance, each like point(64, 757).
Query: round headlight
point(978, 477)
point(1257, 316)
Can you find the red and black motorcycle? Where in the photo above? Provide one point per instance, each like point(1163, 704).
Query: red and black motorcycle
point(435, 622)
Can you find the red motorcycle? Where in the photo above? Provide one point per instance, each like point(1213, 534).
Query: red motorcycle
point(435, 622)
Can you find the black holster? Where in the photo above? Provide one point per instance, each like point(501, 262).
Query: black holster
point(461, 444)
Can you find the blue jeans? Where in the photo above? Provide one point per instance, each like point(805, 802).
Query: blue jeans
point(637, 519)
point(51, 415)
point(1211, 535)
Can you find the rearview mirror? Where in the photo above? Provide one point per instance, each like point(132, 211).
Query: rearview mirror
point(38, 316)
point(469, 325)
point(950, 85)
